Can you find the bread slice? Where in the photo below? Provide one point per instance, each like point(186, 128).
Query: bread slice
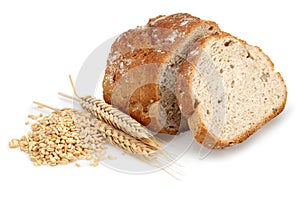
point(228, 89)
point(142, 66)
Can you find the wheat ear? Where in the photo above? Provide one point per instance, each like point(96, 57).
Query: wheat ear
point(126, 142)
point(114, 117)
point(118, 119)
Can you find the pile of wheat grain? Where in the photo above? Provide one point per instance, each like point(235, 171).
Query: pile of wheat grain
point(67, 135)
point(62, 137)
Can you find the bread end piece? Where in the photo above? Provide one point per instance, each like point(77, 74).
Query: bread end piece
point(194, 106)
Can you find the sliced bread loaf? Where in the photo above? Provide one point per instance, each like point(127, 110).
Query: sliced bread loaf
point(142, 66)
point(228, 89)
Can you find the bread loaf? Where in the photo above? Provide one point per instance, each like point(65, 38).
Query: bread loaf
point(180, 70)
point(141, 69)
point(228, 89)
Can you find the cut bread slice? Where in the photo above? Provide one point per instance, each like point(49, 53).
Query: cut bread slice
point(228, 89)
point(141, 69)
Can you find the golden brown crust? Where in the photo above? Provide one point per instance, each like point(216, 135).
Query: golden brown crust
point(142, 70)
point(141, 67)
point(181, 22)
point(200, 131)
point(197, 126)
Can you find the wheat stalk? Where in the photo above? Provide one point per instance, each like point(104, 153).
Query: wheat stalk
point(114, 117)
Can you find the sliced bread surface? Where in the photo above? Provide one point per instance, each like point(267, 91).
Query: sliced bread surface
point(228, 89)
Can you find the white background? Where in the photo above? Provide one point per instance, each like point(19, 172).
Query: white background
point(41, 43)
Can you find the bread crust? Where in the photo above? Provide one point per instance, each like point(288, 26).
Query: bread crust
point(152, 46)
point(181, 22)
point(196, 124)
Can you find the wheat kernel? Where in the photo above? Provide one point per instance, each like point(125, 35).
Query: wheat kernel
point(14, 143)
point(53, 164)
point(94, 163)
point(110, 157)
point(89, 157)
point(64, 161)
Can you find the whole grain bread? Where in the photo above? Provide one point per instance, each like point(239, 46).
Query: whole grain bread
point(228, 89)
point(141, 69)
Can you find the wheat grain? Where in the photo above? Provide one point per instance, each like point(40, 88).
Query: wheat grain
point(94, 163)
point(14, 143)
point(50, 135)
point(111, 157)
point(77, 164)
point(61, 137)
point(33, 117)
